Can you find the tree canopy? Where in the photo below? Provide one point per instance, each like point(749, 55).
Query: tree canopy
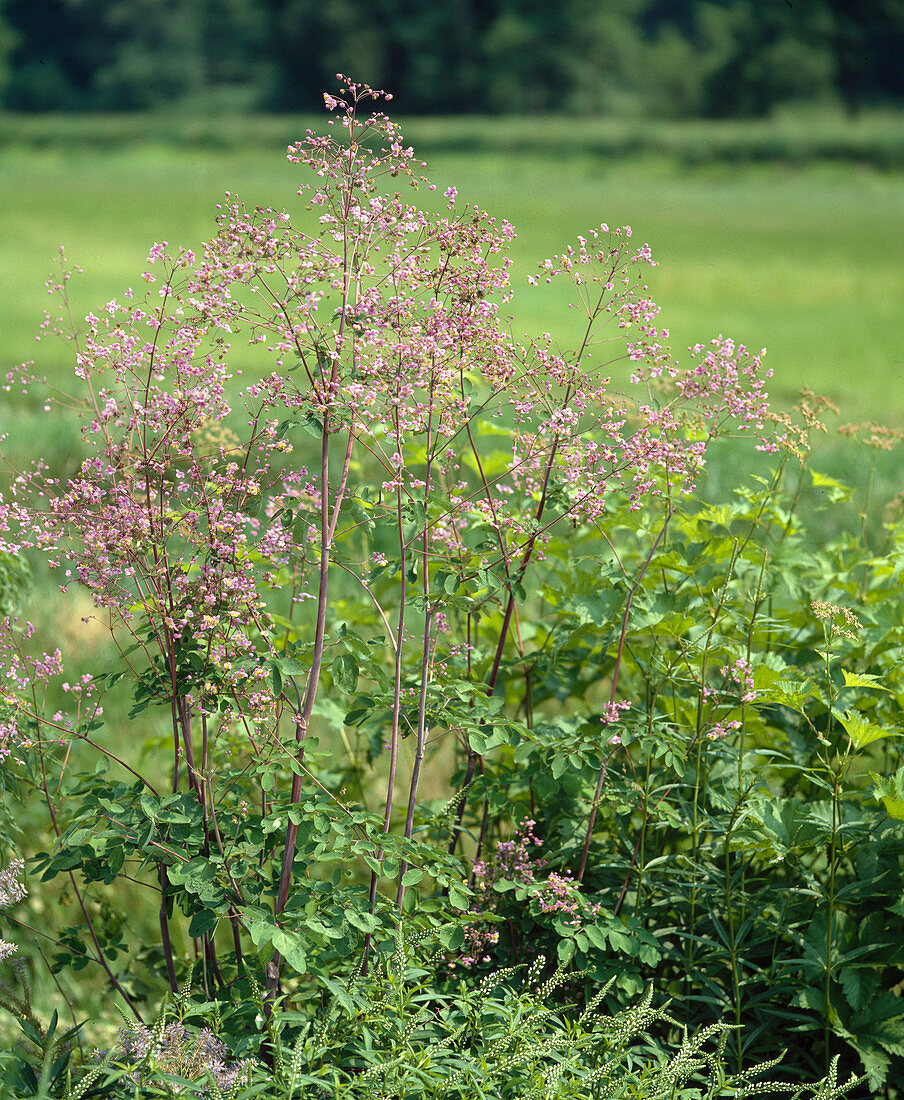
point(731, 58)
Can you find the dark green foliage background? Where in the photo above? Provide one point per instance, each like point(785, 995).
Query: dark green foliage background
point(723, 58)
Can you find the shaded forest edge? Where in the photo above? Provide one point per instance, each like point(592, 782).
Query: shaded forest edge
point(681, 58)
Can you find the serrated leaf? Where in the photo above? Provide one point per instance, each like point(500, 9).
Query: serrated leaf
point(882, 1023)
point(810, 997)
point(835, 490)
point(859, 679)
point(859, 985)
point(890, 791)
point(875, 1063)
point(861, 730)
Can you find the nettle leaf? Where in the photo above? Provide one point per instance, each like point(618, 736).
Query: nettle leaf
point(810, 997)
point(861, 679)
point(594, 608)
point(771, 688)
point(345, 673)
point(829, 487)
point(861, 730)
point(889, 789)
point(859, 985)
point(643, 617)
point(882, 1023)
point(874, 1061)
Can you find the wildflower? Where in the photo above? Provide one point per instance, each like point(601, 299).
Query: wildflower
point(11, 891)
point(841, 621)
point(175, 1050)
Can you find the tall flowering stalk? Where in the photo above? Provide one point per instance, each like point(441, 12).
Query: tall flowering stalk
point(444, 457)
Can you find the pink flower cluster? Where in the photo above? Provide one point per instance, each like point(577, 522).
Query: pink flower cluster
point(11, 891)
point(737, 687)
point(553, 893)
point(741, 675)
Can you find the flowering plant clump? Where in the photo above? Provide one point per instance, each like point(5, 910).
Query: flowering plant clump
point(377, 578)
point(551, 895)
point(197, 1057)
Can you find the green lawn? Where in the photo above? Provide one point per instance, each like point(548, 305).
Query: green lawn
point(807, 260)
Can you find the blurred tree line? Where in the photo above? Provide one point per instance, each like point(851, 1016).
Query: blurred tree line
point(735, 58)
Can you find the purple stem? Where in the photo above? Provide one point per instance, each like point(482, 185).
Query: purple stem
point(591, 821)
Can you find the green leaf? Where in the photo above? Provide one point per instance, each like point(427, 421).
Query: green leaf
point(861, 730)
point(836, 491)
point(859, 679)
point(565, 951)
point(412, 876)
point(477, 741)
point(202, 921)
point(889, 789)
point(620, 940)
point(276, 681)
point(459, 896)
point(882, 1023)
point(345, 673)
point(291, 946)
point(367, 922)
point(452, 938)
point(312, 425)
point(291, 666)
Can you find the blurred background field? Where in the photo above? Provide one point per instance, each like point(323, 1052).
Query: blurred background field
point(802, 253)
point(757, 145)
